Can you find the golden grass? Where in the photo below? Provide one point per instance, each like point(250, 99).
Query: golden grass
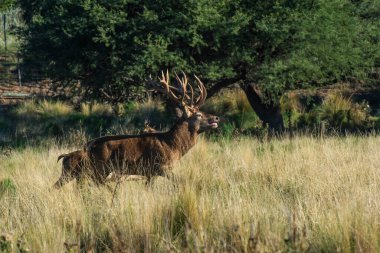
point(299, 195)
point(44, 107)
point(229, 101)
point(96, 109)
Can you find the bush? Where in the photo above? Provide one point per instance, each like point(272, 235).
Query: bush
point(339, 113)
point(96, 109)
point(43, 108)
point(234, 109)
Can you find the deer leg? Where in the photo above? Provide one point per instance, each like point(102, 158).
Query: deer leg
point(99, 173)
point(148, 182)
point(80, 180)
point(112, 177)
point(99, 179)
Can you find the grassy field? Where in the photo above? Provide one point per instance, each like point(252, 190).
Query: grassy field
point(242, 195)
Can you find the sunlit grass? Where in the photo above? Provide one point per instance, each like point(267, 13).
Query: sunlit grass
point(96, 109)
point(43, 108)
point(284, 195)
point(233, 104)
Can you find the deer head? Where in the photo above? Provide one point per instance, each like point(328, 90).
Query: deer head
point(183, 95)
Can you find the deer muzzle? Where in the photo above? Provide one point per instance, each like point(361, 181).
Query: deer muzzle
point(213, 122)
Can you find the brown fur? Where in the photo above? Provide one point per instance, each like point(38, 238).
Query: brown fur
point(73, 166)
point(150, 154)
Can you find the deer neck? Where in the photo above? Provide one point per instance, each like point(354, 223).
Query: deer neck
point(182, 137)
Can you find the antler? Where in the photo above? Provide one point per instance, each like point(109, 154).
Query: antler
point(165, 82)
point(203, 93)
point(180, 95)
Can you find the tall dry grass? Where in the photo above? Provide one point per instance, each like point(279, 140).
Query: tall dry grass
point(43, 108)
point(293, 195)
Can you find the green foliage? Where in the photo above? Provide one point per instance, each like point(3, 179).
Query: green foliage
point(237, 116)
point(8, 244)
point(5, 244)
point(234, 108)
point(339, 113)
point(330, 42)
point(5, 5)
point(9, 20)
point(113, 46)
point(7, 188)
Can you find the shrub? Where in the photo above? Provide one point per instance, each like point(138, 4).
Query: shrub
point(43, 108)
point(338, 112)
point(234, 109)
point(98, 109)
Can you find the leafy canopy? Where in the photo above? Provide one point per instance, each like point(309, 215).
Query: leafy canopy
point(115, 45)
point(5, 5)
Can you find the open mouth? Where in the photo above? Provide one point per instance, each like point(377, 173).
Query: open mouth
point(213, 124)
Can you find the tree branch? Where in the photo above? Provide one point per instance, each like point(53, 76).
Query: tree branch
point(220, 85)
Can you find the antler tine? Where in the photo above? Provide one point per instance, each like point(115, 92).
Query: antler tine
point(183, 84)
point(192, 96)
point(165, 82)
point(186, 81)
point(184, 78)
point(167, 77)
point(203, 92)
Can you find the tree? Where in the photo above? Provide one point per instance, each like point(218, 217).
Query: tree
point(268, 47)
point(5, 6)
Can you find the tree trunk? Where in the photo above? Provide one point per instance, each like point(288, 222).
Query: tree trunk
point(5, 31)
point(269, 113)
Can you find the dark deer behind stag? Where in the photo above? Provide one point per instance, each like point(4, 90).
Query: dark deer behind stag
point(153, 154)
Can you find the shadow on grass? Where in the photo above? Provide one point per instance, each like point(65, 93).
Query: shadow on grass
point(38, 123)
point(33, 124)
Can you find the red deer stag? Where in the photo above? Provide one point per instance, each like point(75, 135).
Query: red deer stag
point(153, 154)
